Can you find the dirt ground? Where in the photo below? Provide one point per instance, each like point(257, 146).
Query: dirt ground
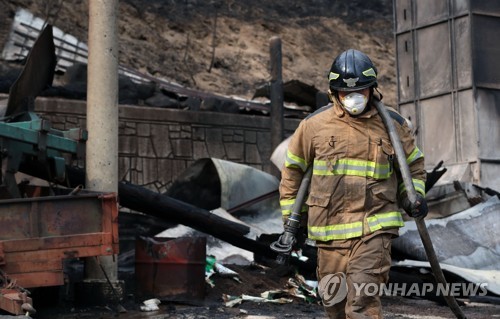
point(222, 46)
point(253, 280)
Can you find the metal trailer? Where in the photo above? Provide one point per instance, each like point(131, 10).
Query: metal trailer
point(38, 234)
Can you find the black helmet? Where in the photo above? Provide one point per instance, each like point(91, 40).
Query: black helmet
point(352, 70)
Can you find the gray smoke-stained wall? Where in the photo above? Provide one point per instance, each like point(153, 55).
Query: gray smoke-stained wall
point(448, 84)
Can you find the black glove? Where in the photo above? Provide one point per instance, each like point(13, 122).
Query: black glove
point(418, 210)
point(300, 238)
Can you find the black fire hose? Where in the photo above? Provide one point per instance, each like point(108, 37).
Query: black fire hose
point(283, 246)
point(412, 196)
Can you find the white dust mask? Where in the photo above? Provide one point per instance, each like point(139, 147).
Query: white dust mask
point(354, 103)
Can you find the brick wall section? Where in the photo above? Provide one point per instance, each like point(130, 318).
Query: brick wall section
point(156, 144)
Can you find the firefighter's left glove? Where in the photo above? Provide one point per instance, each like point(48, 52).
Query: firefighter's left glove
point(417, 210)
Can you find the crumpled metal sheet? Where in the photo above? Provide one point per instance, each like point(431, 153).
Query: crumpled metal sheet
point(220, 185)
point(211, 183)
point(466, 243)
point(490, 277)
point(241, 183)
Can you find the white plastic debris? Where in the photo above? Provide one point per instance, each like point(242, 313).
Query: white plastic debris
point(267, 296)
point(150, 305)
point(223, 271)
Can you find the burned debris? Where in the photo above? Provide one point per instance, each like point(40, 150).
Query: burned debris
point(135, 88)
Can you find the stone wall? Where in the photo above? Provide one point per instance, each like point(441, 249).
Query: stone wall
point(157, 144)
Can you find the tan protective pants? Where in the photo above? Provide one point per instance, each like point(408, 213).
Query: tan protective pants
point(363, 261)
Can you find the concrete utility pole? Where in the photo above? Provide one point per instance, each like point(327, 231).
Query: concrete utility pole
point(276, 95)
point(102, 116)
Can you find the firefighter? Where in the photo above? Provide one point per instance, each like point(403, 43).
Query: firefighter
point(352, 205)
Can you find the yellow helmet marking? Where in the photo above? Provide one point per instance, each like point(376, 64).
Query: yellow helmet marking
point(370, 72)
point(333, 76)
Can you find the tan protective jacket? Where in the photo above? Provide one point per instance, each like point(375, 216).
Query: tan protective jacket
point(354, 186)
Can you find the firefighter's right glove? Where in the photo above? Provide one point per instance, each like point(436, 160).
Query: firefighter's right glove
point(300, 238)
point(418, 210)
point(301, 232)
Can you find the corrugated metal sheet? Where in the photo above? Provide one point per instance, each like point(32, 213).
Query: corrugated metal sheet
point(466, 244)
point(26, 29)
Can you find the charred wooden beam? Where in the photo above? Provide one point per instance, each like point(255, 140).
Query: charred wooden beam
point(434, 176)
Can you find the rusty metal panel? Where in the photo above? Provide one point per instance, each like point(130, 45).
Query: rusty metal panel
point(44, 217)
point(36, 234)
point(466, 126)
point(486, 51)
point(402, 15)
point(39, 265)
point(11, 300)
point(463, 56)
point(83, 245)
point(434, 60)
point(39, 278)
point(439, 130)
point(406, 73)
point(171, 269)
point(430, 11)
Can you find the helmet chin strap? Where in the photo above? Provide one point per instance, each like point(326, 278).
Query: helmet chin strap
point(332, 96)
point(375, 88)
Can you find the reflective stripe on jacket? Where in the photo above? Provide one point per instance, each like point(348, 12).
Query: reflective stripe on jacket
point(354, 186)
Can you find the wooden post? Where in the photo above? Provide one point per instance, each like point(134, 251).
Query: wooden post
point(276, 95)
